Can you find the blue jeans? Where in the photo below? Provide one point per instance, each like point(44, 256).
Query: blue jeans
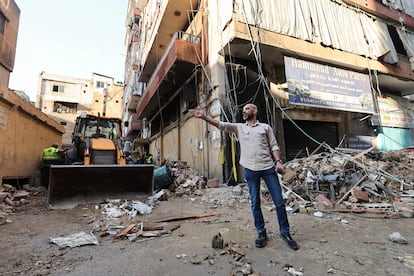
point(272, 182)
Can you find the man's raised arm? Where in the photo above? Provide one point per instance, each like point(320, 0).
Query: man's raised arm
point(198, 113)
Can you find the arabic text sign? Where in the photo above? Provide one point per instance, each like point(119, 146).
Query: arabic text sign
point(394, 112)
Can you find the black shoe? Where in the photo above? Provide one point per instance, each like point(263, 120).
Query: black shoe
point(261, 240)
point(290, 242)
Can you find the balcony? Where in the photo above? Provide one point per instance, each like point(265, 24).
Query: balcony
point(133, 103)
point(135, 126)
point(175, 67)
point(135, 96)
point(172, 16)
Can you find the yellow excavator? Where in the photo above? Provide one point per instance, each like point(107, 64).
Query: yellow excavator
point(96, 167)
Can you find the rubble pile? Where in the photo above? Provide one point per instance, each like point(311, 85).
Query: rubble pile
point(10, 199)
point(183, 179)
point(343, 181)
point(186, 181)
point(378, 181)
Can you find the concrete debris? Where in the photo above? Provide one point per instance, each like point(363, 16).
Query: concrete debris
point(397, 238)
point(342, 181)
point(13, 199)
point(247, 269)
point(292, 271)
point(403, 209)
point(213, 183)
point(11, 196)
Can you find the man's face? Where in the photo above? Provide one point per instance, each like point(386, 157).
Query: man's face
point(248, 113)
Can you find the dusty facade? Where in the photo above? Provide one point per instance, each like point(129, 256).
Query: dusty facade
point(313, 80)
point(64, 98)
point(9, 25)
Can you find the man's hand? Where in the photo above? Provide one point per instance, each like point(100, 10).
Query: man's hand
point(197, 113)
point(280, 169)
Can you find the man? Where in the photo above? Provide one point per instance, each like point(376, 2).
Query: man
point(51, 155)
point(260, 157)
point(98, 134)
point(149, 159)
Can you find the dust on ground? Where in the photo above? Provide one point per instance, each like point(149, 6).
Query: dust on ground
point(333, 243)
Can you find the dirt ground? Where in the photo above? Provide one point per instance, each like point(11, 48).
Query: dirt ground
point(336, 243)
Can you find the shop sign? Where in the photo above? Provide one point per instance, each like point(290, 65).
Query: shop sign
point(360, 142)
point(394, 112)
point(324, 86)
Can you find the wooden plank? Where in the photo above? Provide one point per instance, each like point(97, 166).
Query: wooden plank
point(125, 231)
point(194, 216)
point(362, 153)
point(318, 148)
point(297, 154)
point(350, 190)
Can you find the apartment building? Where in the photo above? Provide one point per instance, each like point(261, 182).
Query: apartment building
point(9, 25)
point(331, 72)
point(64, 98)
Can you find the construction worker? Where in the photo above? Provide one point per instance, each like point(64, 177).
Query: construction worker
point(149, 159)
point(51, 156)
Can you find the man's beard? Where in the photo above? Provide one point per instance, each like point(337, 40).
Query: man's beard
point(247, 117)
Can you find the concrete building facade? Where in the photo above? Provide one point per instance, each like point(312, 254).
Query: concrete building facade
point(64, 98)
point(322, 72)
point(9, 25)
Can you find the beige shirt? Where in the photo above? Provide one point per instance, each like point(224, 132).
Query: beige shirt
point(257, 143)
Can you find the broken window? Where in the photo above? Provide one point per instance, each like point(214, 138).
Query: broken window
point(399, 46)
point(65, 107)
point(189, 97)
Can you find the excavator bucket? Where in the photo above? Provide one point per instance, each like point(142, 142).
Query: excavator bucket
point(70, 185)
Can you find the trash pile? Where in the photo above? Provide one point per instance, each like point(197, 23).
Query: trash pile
point(367, 181)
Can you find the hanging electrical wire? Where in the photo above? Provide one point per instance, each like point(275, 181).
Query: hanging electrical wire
point(325, 145)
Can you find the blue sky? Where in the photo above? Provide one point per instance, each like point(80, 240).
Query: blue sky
point(68, 37)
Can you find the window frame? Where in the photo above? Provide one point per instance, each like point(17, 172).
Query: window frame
point(58, 88)
point(100, 84)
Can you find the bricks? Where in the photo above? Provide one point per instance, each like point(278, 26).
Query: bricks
point(289, 175)
point(361, 196)
point(213, 183)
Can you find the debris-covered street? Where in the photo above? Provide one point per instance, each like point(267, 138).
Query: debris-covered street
point(350, 213)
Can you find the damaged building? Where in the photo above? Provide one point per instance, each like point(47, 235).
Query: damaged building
point(336, 73)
